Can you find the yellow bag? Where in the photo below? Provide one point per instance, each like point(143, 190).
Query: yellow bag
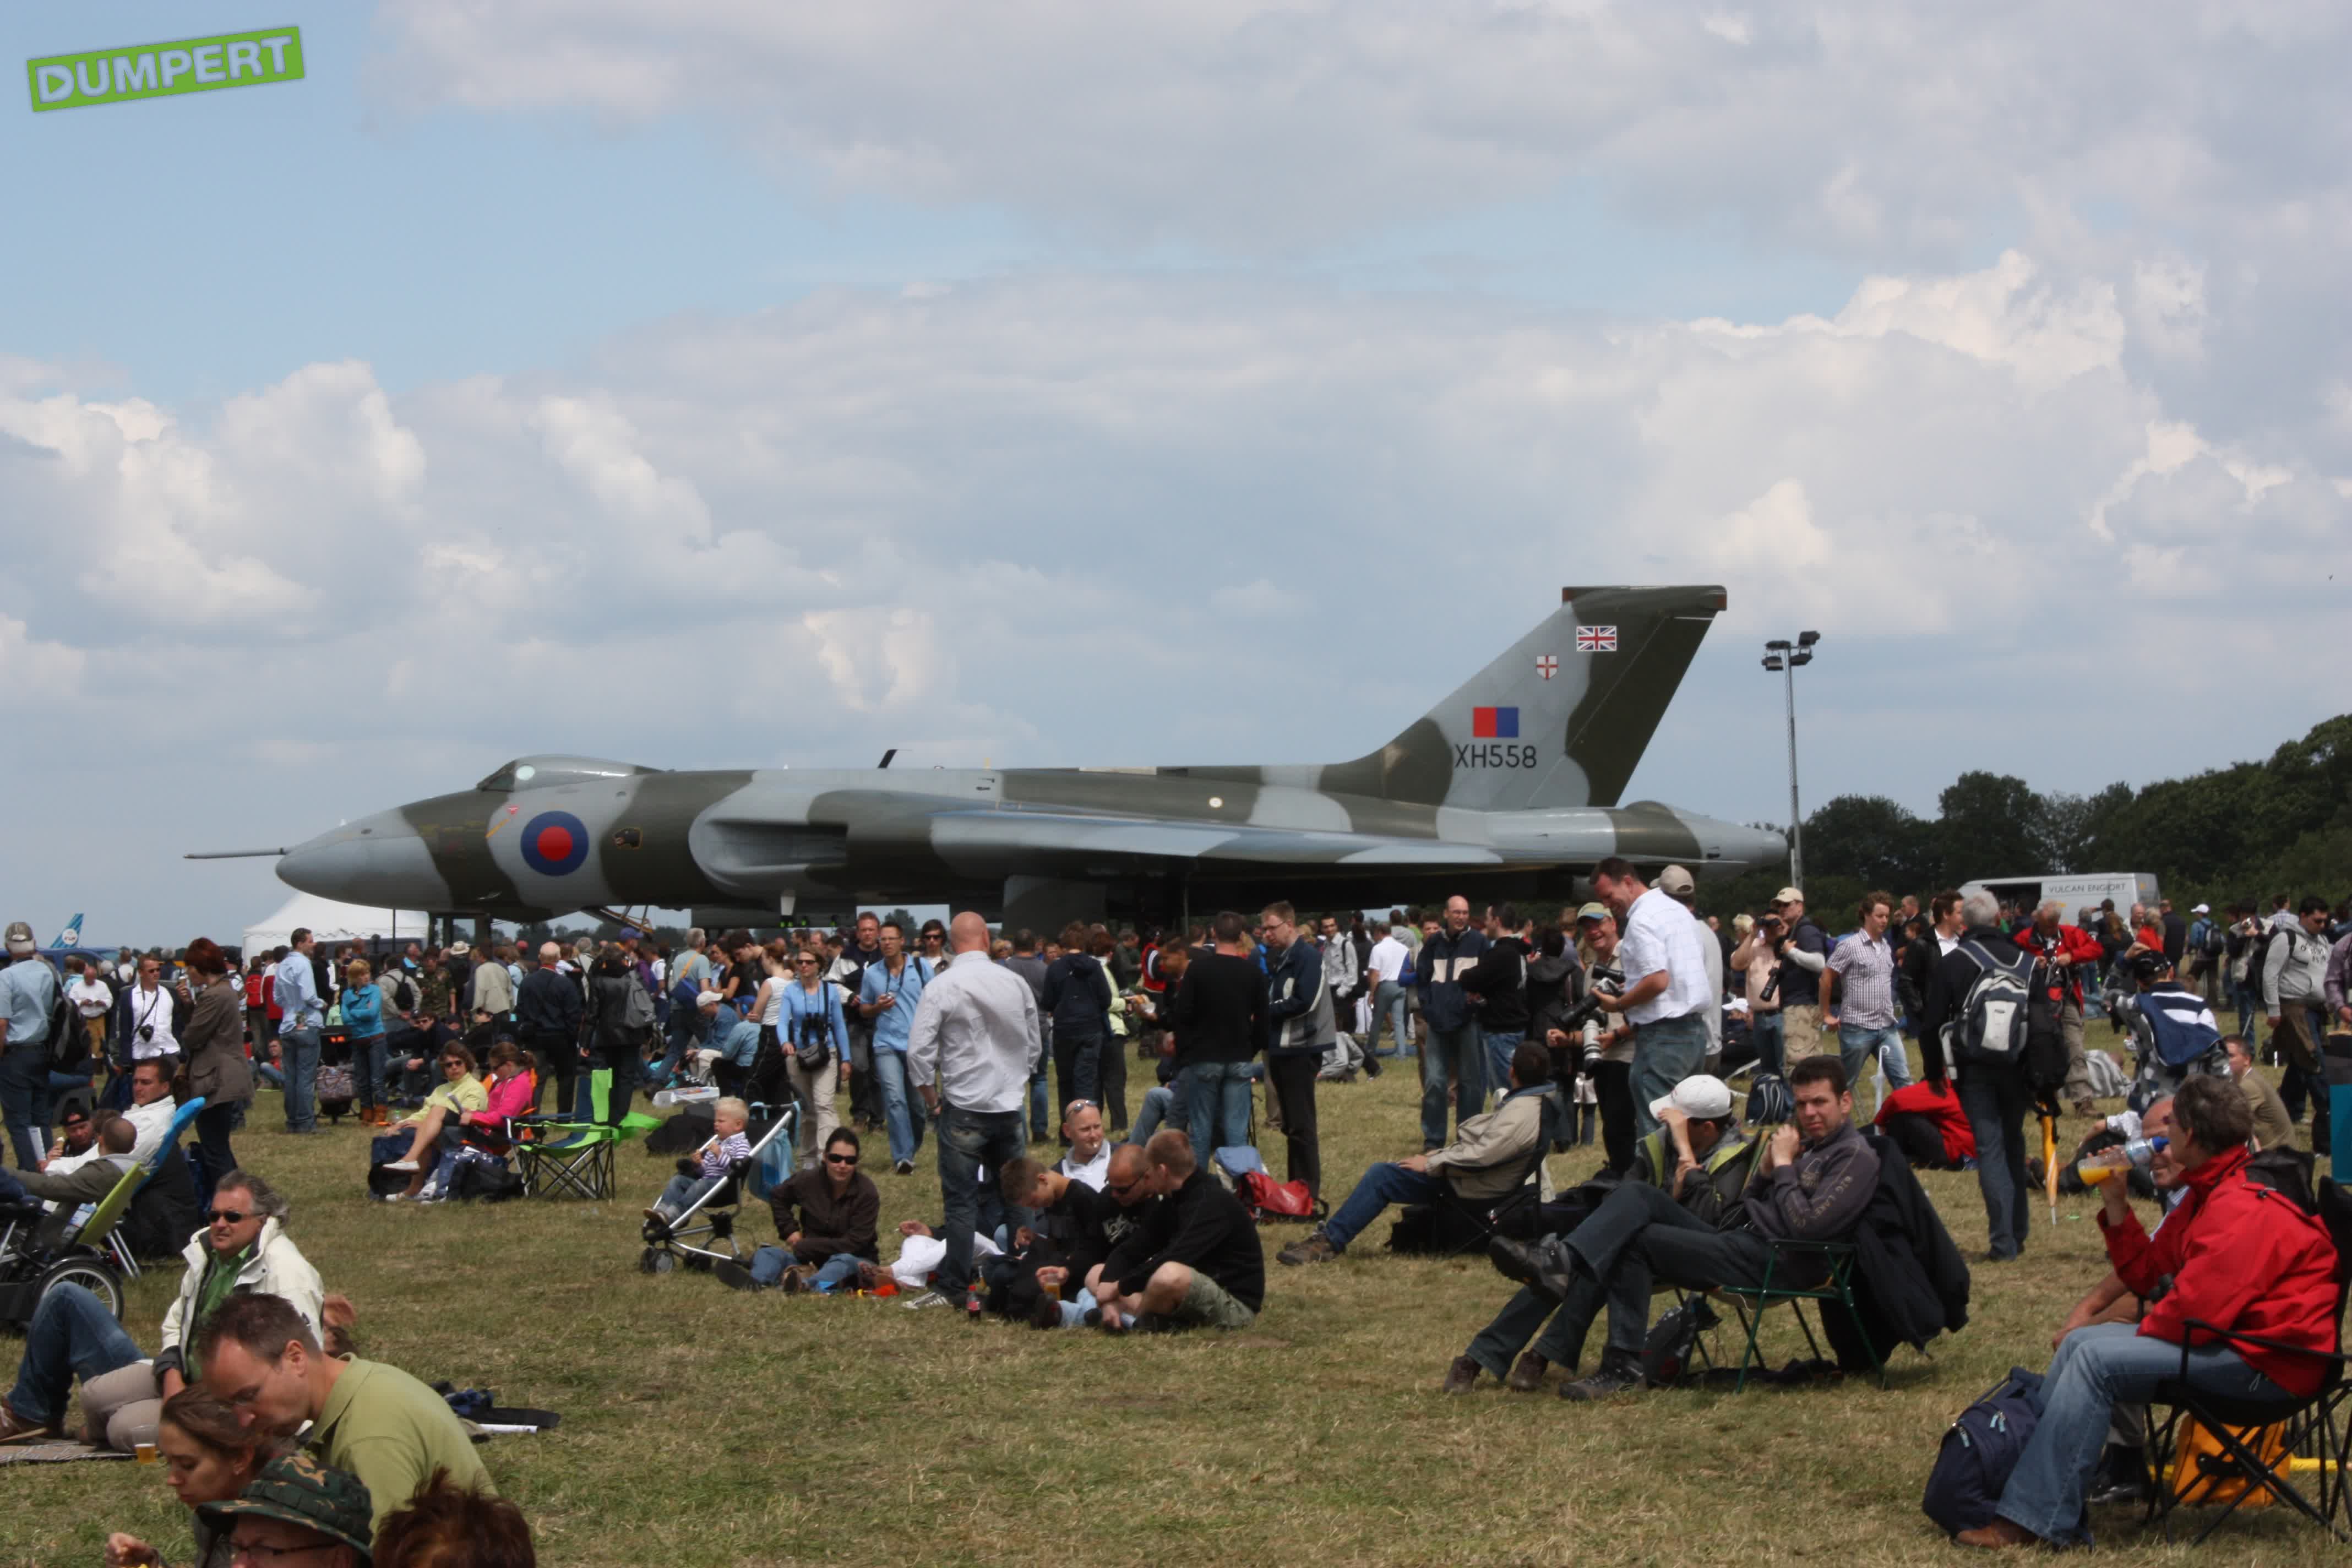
point(2204, 1472)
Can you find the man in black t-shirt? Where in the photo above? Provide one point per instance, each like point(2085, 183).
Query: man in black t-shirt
point(1076, 1228)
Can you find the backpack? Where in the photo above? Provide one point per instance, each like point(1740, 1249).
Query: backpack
point(1268, 1200)
point(2045, 1033)
point(1979, 1451)
point(69, 1051)
point(2257, 955)
point(1989, 1030)
point(2181, 1028)
point(1673, 1339)
point(485, 1181)
point(637, 1013)
point(400, 992)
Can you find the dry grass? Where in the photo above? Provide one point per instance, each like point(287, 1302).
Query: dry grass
point(706, 1427)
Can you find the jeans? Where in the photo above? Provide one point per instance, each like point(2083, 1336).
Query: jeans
point(72, 1333)
point(1664, 1053)
point(1110, 1076)
point(1160, 1103)
point(1041, 1126)
point(1458, 1051)
point(1997, 1102)
point(1858, 1045)
point(1560, 1341)
point(1499, 1047)
point(968, 1141)
point(215, 1158)
point(1771, 1050)
point(865, 1084)
point(682, 1193)
point(2095, 1369)
point(902, 1113)
point(1217, 1098)
point(769, 1263)
point(298, 1053)
point(24, 1100)
point(1383, 1184)
point(1394, 1003)
point(367, 1068)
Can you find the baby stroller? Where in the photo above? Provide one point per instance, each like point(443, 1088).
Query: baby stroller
point(333, 1089)
point(704, 1232)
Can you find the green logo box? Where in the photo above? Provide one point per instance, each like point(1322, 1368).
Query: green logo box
point(165, 70)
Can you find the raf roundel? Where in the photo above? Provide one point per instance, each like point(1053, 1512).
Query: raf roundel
point(554, 843)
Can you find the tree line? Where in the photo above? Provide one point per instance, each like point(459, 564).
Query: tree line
point(2231, 835)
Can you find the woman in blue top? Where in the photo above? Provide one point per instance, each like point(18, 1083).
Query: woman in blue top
point(362, 1005)
point(814, 1027)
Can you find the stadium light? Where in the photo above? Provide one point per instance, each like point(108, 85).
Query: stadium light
point(1783, 658)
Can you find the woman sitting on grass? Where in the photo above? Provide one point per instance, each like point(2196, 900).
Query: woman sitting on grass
point(460, 1092)
point(209, 1456)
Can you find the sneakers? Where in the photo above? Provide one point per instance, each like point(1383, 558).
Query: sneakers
point(411, 1165)
point(733, 1275)
point(1461, 1377)
point(1527, 1372)
point(925, 1302)
point(2121, 1476)
point(1313, 1248)
point(905, 1167)
point(1621, 1372)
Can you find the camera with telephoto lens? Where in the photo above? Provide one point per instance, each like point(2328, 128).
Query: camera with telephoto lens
point(1585, 1012)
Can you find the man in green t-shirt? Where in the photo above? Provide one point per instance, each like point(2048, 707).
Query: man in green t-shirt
point(373, 1420)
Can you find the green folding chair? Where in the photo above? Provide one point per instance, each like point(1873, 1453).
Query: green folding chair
point(574, 1158)
point(1750, 1301)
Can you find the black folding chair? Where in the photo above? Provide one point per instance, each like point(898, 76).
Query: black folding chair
point(2310, 1427)
point(1482, 1221)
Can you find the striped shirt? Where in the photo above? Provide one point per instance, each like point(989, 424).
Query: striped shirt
point(1867, 965)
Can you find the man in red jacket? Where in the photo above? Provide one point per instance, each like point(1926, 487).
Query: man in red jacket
point(2067, 948)
point(2242, 1258)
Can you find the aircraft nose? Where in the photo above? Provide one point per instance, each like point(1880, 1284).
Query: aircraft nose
point(378, 861)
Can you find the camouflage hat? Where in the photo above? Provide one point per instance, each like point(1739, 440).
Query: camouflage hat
point(299, 1490)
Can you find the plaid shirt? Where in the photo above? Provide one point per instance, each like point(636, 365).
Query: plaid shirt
point(1868, 968)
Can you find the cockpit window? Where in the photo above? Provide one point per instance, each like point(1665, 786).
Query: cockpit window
point(538, 772)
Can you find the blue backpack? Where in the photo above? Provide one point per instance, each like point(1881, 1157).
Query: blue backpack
point(1980, 1449)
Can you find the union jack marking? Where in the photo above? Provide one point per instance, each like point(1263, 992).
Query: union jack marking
point(1596, 639)
point(1546, 665)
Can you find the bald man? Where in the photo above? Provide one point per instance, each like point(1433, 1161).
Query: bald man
point(548, 1007)
point(969, 1053)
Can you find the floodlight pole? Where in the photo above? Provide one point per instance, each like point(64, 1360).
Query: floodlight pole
point(1782, 657)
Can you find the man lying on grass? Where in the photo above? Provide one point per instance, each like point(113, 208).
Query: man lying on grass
point(1194, 1260)
point(2242, 1258)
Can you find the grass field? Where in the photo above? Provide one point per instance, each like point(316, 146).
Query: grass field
point(702, 1426)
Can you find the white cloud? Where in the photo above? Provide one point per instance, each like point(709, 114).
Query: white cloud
point(1255, 598)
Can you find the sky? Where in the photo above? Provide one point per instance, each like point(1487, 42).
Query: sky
point(1189, 381)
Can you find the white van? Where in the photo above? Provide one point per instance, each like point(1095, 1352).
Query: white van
point(2077, 892)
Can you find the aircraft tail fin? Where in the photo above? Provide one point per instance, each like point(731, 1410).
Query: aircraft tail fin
point(1560, 719)
point(71, 935)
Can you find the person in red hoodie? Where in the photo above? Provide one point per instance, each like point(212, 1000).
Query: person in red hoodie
point(2073, 952)
point(2242, 1258)
point(1928, 1123)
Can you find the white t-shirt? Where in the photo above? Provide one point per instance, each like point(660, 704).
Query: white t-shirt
point(1661, 935)
point(151, 1009)
point(90, 997)
point(1388, 959)
point(1093, 1173)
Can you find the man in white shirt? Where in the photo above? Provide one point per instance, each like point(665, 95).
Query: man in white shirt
point(1676, 883)
point(303, 1013)
point(147, 1015)
point(970, 1050)
point(151, 1105)
point(92, 1000)
point(1666, 996)
point(1390, 996)
point(1089, 1158)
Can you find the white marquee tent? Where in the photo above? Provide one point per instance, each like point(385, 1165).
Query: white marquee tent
point(333, 923)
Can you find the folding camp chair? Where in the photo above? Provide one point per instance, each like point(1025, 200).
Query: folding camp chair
point(102, 1227)
point(1751, 1300)
point(2309, 1426)
point(574, 1158)
point(1482, 1221)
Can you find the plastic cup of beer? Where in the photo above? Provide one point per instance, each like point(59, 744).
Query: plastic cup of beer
point(142, 1443)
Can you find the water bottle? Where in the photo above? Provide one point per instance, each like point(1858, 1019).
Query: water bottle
point(2096, 1168)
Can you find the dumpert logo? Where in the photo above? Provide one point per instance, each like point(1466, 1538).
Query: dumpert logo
point(165, 70)
point(1494, 723)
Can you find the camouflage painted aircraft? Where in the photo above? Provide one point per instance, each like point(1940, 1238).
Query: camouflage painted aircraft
point(1507, 789)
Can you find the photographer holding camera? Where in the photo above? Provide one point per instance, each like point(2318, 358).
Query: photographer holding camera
point(1804, 950)
point(1593, 1039)
point(1666, 995)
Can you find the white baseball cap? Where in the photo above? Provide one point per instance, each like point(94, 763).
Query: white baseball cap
point(2202, 910)
point(1701, 1097)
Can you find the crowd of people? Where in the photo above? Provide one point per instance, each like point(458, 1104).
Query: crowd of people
point(1628, 1017)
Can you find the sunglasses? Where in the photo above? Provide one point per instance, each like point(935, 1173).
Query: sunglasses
point(1118, 1190)
point(805, 964)
point(228, 1216)
point(841, 1159)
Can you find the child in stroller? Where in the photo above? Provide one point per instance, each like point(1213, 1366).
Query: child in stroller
point(708, 1166)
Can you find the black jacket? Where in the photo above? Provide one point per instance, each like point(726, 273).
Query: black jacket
point(548, 1008)
point(1910, 1282)
point(1219, 1010)
point(1918, 966)
point(1078, 997)
point(1499, 981)
point(1198, 1225)
point(1947, 987)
